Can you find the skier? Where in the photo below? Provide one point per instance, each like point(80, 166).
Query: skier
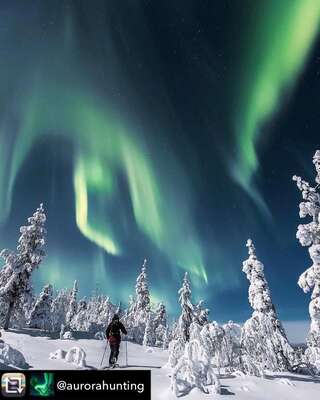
point(114, 337)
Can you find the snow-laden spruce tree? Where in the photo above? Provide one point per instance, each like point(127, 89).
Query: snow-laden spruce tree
point(100, 310)
point(212, 338)
point(176, 349)
point(309, 235)
point(73, 305)
point(160, 325)
point(200, 313)
point(149, 333)
point(264, 345)
point(139, 308)
point(232, 339)
point(180, 333)
point(195, 329)
point(28, 304)
point(186, 316)
point(93, 313)
point(128, 317)
point(104, 311)
point(160, 315)
point(194, 370)
point(40, 316)
point(15, 285)
point(165, 338)
point(80, 321)
point(119, 310)
point(59, 309)
point(161, 338)
point(142, 299)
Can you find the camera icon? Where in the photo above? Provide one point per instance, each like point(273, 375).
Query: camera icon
point(13, 384)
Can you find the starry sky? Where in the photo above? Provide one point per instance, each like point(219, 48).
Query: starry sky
point(162, 130)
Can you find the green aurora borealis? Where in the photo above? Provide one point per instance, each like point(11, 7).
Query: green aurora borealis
point(93, 81)
point(280, 41)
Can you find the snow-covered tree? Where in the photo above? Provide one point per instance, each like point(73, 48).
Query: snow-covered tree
point(59, 309)
point(119, 310)
point(128, 316)
point(232, 339)
point(139, 307)
point(264, 344)
point(212, 337)
point(15, 285)
point(160, 315)
point(193, 370)
point(185, 328)
point(149, 333)
point(80, 321)
point(165, 338)
point(309, 235)
point(186, 316)
point(62, 331)
point(99, 310)
point(160, 325)
point(195, 329)
point(142, 299)
point(161, 338)
point(157, 322)
point(73, 305)
point(201, 314)
point(40, 316)
point(176, 350)
point(21, 312)
point(28, 304)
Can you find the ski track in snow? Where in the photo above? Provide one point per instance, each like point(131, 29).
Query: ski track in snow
point(284, 386)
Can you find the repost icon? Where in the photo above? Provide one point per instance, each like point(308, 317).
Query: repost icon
point(13, 384)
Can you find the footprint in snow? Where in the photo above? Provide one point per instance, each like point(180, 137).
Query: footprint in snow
point(244, 388)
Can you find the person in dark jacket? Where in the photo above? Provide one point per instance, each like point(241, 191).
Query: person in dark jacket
point(113, 334)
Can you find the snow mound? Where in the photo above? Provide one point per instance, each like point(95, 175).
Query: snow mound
point(149, 350)
point(100, 335)
point(245, 388)
point(11, 356)
point(57, 355)
point(76, 356)
point(239, 374)
point(68, 335)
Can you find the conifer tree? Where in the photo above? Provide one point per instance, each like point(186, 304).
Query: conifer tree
point(73, 305)
point(264, 344)
point(149, 333)
point(308, 234)
point(142, 300)
point(186, 316)
point(160, 315)
point(201, 314)
point(160, 325)
point(59, 309)
point(80, 321)
point(139, 307)
point(15, 285)
point(165, 338)
point(119, 310)
point(40, 316)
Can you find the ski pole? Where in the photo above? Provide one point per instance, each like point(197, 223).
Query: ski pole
point(105, 349)
point(127, 351)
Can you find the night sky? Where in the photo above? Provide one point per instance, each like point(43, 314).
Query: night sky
point(166, 130)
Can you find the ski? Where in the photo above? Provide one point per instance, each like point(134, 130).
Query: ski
point(111, 366)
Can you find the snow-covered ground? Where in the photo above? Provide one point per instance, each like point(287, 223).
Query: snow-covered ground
point(36, 350)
